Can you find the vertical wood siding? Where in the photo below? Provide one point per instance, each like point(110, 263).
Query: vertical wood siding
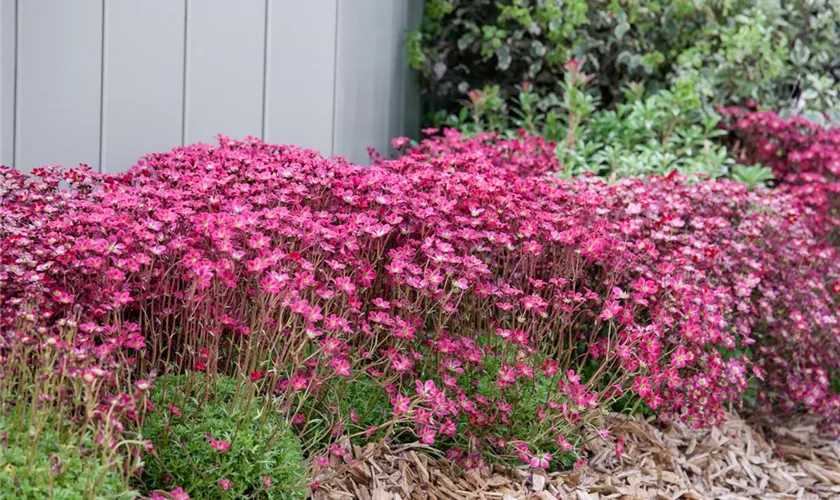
point(8, 24)
point(300, 66)
point(143, 96)
point(58, 87)
point(103, 82)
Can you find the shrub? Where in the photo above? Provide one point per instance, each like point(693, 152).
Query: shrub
point(424, 274)
point(780, 54)
point(639, 137)
point(775, 278)
point(217, 439)
point(483, 305)
point(54, 462)
point(727, 52)
point(402, 293)
point(464, 46)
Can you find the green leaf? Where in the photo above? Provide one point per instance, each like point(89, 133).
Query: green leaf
point(465, 41)
point(800, 53)
point(814, 117)
point(810, 94)
point(504, 58)
point(621, 30)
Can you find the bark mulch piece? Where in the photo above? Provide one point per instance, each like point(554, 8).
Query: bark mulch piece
point(732, 462)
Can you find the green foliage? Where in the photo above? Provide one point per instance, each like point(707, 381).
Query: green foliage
point(642, 135)
point(261, 442)
point(782, 54)
point(470, 44)
point(43, 463)
point(753, 176)
point(366, 400)
point(654, 135)
point(358, 408)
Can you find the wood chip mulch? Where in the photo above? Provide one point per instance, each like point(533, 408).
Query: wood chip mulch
point(733, 462)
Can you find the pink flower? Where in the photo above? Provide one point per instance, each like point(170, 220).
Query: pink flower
point(564, 444)
point(345, 285)
point(341, 367)
point(619, 447)
point(143, 385)
point(179, 494)
point(225, 484)
point(506, 377)
point(448, 428)
point(220, 446)
point(399, 142)
point(427, 435)
point(540, 461)
point(642, 387)
point(400, 403)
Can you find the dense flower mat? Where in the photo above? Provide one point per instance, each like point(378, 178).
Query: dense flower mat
point(470, 298)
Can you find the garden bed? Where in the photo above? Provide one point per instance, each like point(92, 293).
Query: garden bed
point(736, 460)
point(471, 316)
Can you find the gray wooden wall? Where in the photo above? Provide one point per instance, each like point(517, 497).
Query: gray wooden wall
point(103, 82)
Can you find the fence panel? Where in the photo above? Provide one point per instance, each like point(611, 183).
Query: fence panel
point(8, 18)
point(225, 70)
point(58, 82)
point(104, 82)
point(144, 80)
point(300, 83)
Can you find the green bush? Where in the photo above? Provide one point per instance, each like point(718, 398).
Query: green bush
point(640, 135)
point(648, 135)
point(194, 420)
point(726, 50)
point(781, 54)
point(48, 464)
point(466, 45)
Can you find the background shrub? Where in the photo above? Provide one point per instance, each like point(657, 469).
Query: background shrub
point(640, 136)
point(464, 46)
point(217, 440)
point(728, 51)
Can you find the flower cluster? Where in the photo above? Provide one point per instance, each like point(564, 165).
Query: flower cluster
point(65, 352)
point(803, 156)
point(755, 277)
point(526, 155)
point(750, 271)
point(497, 309)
